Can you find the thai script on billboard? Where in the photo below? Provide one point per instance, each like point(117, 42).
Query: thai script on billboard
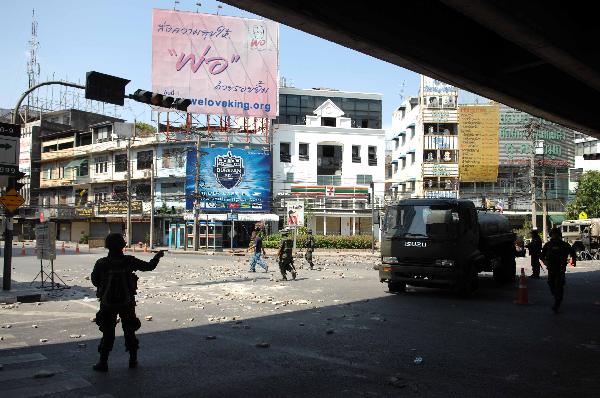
point(519, 132)
point(434, 86)
point(478, 142)
point(224, 65)
point(231, 179)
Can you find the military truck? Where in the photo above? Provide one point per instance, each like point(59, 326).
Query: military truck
point(583, 235)
point(444, 243)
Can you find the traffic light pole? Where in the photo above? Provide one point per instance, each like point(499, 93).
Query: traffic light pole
point(8, 229)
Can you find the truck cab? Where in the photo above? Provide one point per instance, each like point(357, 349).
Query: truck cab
point(441, 242)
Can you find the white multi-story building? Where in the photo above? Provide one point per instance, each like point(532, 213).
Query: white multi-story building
point(587, 158)
point(423, 144)
point(329, 151)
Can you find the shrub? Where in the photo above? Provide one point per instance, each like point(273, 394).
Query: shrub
point(324, 241)
point(84, 239)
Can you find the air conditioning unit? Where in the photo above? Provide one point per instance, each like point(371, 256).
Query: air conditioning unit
point(147, 173)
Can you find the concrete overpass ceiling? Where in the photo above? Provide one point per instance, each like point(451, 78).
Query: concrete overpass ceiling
point(538, 56)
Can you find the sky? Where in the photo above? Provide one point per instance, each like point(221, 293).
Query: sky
point(114, 37)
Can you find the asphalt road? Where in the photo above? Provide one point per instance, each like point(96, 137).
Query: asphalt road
point(334, 332)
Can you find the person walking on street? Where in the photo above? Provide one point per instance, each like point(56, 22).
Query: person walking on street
point(256, 259)
point(285, 256)
point(535, 248)
point(555, 255)
point(116, 282)
point(309, 244)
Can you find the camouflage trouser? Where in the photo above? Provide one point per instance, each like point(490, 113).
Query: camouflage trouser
point(309, 258)
point(287, 264)
point(556, 282)
point(106, 319)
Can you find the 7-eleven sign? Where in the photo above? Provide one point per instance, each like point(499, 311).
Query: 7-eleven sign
point(329, 191)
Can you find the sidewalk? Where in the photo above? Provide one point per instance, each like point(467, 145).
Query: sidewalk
point(22, 292)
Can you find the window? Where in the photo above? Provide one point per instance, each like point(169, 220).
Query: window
point(101, 163)
point(84, 169)
point(142, 191)
point(412, 158)
point(397, 143)
point(364, 123)
point(289, 177)
point(173, 157)
point(144, 160)
point(61, 171)
point(100, 195)
point(364, 179)
point(103, 133)
point(329, 180)
point(328, 121)
point(81, 197)
point(172, 188)
point(549, 183)
point(284, 152)
point(403, 160)
point(47, 173)
point(120, 192)
point(66, 120)
point(356, 154)
point(372, 156)
point(303, 151)
point(121, 162)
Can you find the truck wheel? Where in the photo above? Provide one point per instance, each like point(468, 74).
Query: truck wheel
point(396, 287)
point(469, 284)
point(507, 271)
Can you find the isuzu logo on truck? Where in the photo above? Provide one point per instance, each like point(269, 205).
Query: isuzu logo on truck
point(416, 244)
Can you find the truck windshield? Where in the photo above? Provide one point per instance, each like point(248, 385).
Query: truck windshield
point(415, 221)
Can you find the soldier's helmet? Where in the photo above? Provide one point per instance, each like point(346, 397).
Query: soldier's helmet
point(556, 233)
point(114, 241)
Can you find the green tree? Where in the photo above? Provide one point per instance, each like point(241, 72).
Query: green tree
point(144, 129)
point(587, 196)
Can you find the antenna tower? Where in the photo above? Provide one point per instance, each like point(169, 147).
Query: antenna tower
point(33, 67)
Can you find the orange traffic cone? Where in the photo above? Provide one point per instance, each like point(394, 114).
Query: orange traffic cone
point(145, 248)
point(522, 296)
point(23, 252)
point(62, 249)
point(77, 248)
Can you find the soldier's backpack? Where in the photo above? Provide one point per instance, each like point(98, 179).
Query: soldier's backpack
point(118, 290)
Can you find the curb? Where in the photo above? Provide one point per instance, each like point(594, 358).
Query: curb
point(23, 298)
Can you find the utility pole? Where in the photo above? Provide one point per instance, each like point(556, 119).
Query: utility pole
point(129, 187)
point(152, 201)
point(532, 176)
point(372, 193)
point(196, 193)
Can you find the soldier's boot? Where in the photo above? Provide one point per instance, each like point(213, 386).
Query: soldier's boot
point(102, 365)
point(133, 362)
point(283, 276)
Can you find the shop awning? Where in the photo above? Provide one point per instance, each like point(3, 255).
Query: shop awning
point(401, 156)
point(411, 151)
point(75, 163)
point(410, 126)
point(401, 133)
point(394, 161)
point(557, 219)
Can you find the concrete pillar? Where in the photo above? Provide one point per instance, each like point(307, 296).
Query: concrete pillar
point(324, 225)
point(353, 225)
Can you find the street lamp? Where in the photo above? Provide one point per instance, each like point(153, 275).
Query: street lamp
point(539, 151)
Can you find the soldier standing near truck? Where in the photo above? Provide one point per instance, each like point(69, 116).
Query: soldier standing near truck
point(535, 248)
point(555, 256)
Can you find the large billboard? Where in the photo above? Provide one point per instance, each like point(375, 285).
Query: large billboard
point(231, 179)
point(478, 143)
point(224, 65)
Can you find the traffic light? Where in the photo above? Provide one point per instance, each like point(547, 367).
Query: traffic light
point(13, 182)
point(105, 88)
point(164, 101)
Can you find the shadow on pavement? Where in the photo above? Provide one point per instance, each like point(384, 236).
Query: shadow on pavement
point(425, 342)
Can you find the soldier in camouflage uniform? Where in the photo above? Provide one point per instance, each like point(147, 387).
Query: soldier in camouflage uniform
point(309, 244)
point(285, 255)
